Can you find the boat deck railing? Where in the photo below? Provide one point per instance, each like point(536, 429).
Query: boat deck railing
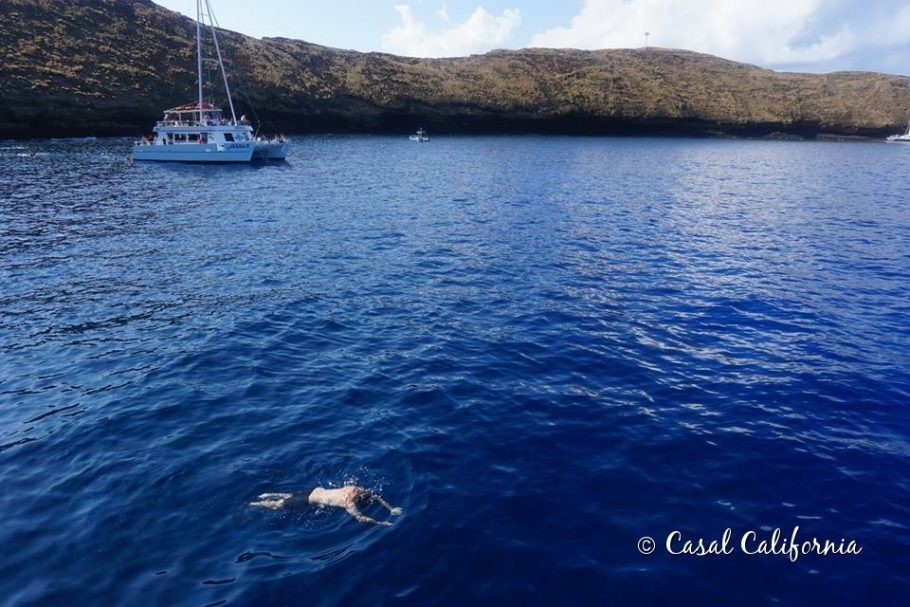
point(196, 123)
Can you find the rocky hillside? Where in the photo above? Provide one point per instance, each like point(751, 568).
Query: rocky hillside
point(100, 67)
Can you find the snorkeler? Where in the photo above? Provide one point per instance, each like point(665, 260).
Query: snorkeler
point(346, 497)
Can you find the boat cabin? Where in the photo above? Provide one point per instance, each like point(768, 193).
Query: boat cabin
point(199, 124)
point(195, 115)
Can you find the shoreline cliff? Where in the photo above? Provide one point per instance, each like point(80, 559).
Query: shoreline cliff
point(109, 67)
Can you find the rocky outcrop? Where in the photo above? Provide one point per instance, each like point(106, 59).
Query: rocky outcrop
point(104, 67)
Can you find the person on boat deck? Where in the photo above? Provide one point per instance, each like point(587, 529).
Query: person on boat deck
point(347, 497)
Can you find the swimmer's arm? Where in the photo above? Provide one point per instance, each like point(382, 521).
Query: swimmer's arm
point(362, 518)
point(385, 504)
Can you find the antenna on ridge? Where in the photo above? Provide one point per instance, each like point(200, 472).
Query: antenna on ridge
point(646, 38)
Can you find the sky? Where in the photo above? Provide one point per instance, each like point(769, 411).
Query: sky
point(803, 35)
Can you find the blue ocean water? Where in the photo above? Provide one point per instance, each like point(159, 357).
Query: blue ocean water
point(543, 349)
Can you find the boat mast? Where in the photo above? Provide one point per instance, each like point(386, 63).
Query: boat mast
point(199, 53)
point(227, 87)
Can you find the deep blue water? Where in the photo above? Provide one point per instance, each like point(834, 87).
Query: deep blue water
point(543, 349)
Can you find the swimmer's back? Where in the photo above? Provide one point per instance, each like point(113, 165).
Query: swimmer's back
point(342, 497)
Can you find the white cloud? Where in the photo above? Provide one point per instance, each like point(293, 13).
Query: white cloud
point(748, 30)
point(894, 29)
point(481, 32)
point(443, 12)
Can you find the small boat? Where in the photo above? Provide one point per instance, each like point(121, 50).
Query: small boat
point(903, 138)
point(200, 131)
point(420, 136)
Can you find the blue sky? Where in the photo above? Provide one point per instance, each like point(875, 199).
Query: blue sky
point(810, 35)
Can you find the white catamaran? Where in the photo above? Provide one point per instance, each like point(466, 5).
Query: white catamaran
point(199, 132)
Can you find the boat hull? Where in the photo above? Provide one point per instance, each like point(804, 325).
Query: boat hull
point(208, 154)
point(270, 150)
